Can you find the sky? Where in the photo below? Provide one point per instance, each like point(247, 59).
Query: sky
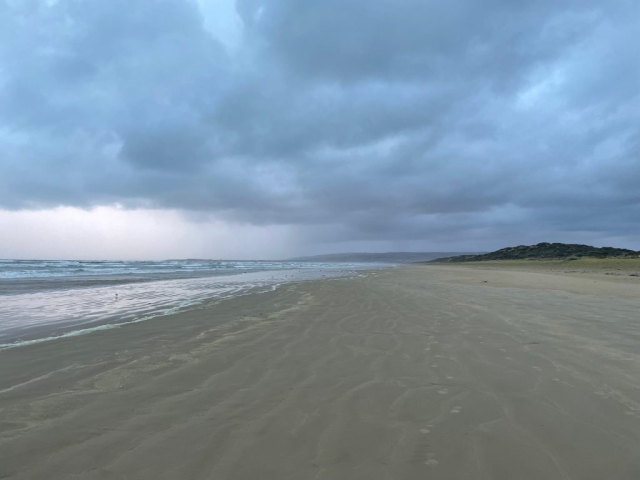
point(157, 129)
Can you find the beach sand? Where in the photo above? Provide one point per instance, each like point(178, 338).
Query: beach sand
point(421, 372)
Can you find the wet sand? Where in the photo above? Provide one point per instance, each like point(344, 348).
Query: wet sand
point(418, 372)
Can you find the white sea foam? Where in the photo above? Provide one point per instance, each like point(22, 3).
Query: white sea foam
point(14, 269)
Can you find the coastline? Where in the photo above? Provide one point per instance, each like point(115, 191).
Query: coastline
point(413, 372)
point(75, 308)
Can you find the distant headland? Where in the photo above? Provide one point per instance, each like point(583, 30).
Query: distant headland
point(387, 257)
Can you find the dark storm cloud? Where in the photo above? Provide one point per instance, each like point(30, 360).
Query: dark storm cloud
point(377, 119)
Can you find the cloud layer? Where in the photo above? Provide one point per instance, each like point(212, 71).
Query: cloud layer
point(359, 120)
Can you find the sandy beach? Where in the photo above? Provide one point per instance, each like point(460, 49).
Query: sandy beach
point(420, 372)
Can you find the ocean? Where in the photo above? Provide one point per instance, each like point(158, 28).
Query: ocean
point(41, 300)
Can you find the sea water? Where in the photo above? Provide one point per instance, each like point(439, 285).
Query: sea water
point(42, 300)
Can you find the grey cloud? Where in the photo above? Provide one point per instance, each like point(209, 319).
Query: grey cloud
point(426, 41)
point(362, 120)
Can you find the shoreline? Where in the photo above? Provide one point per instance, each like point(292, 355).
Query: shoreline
point(47, 315)
point(407, 373)
point(49, 333)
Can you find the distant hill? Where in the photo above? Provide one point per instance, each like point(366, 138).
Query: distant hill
point(543, 251)
point(389, 257)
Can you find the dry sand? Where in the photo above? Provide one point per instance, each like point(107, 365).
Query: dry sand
point(410, 373)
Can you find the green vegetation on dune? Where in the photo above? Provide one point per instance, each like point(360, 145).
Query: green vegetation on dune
point(547, 251)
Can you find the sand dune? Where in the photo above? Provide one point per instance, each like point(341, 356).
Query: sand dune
point(410, 373)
